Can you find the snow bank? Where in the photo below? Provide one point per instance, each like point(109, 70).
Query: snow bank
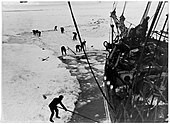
point(28, 73)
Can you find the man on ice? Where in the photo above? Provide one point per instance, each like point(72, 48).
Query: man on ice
point(53, 107)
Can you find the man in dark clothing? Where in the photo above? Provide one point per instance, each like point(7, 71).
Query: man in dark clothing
point(53, 107)
point(34, 32)
point(63, 50)
point(83, 45)
point(62, 30)
point(55, 28)
point(74, 36)
point(39, 33)
point(78, 48)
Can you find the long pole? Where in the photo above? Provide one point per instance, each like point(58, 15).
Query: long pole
point(80, 115)
point(124, 8)
point(112, 26)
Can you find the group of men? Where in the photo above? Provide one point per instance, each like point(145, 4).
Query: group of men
point(36, 32)
point(58, 100)
point(78, 47)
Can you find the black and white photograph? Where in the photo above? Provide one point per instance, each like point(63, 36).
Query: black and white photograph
point(84, 61)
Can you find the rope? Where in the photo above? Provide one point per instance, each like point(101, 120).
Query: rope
point(80, 115)
point(87, 57)
point(159, 16)
point(161, 35)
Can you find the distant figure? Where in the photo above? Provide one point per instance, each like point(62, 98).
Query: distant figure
point(44, 96)
point(63, 50)
point(74, 36)
point(83, 45)
point(55, 28)
point(107, 45)
point(62, 30)
point(36, 32)
point(39, 33)
point(78, 48)
point(53, 107)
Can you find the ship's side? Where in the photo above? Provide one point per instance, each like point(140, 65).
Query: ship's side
point(136, 73)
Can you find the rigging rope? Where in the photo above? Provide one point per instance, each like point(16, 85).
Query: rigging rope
point(80, 115)
point(87, 58)
point(159, 16)
point(161, 34)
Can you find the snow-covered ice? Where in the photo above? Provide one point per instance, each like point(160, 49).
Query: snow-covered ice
point(26, 78)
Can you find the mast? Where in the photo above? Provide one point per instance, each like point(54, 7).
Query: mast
point(146, 11)
point(119, 23)
point(124, 9)
point(112, 26)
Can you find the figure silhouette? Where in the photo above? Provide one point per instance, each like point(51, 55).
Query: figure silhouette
point(63, 50)
point(83, 45)
point(78, 48)
point(53, 107)
point(62, 29)
point(55, 28)
point(74, 36)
